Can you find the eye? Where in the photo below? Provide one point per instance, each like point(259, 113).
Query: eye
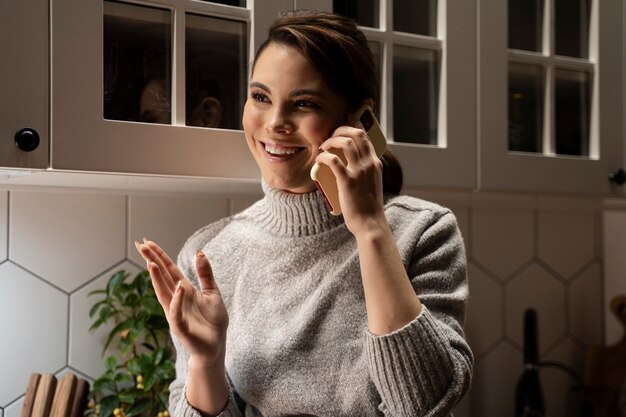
point(259, 97)
point(307, 104)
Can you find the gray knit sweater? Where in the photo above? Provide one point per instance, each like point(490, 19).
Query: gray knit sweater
point(297, 343)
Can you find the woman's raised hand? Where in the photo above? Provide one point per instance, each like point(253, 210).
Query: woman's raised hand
point(198, 318)
point(359, 181)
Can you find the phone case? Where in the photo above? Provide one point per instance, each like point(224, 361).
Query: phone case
point(323, 176)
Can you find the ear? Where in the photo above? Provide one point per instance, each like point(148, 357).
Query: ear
point(207, 113)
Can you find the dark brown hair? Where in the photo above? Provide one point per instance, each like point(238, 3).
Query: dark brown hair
point(339, 52)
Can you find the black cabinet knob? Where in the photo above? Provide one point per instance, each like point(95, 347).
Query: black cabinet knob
point(618, 177)
point(27, 139)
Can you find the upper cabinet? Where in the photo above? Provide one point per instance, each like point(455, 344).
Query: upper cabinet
point(519, 95)
point(153, 87)
point(24, 84)
point(551, 95)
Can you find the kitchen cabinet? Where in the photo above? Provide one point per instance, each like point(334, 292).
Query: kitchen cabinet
point(558, 79)
point(107, 56)
point(81, 73)
point(24, 108)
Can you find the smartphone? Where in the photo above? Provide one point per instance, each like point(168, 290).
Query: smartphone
point(323, 176)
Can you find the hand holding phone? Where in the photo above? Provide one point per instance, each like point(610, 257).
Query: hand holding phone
point(323, 176)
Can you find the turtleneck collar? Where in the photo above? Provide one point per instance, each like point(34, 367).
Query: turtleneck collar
point(288, 214)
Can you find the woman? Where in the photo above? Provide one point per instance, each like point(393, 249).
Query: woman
point(300, 312)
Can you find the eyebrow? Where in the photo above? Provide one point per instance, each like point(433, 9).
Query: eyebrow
point(295, 93)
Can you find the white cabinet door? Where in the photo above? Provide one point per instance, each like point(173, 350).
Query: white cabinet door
point(551, 79)
point(100, 119)
point(24, 83)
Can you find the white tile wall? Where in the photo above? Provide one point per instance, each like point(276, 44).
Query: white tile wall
point(67, 237)
point(169, 220)
point(520, 256)
point(567, 241)
point(33, 328)
point(14, 409)
point(505, 241)
point(484, 306)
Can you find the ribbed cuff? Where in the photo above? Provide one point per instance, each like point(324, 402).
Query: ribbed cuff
point(411, 367)
point(187, 410)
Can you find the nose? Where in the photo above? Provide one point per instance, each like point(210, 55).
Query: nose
point(279, 121)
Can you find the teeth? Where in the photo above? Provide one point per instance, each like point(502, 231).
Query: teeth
point(274, 150)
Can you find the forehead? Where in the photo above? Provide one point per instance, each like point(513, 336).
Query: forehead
point(282, 64)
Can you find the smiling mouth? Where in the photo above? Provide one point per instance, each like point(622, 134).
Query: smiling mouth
point(281, 151)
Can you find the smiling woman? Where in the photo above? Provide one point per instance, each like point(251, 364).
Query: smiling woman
point(286, 309)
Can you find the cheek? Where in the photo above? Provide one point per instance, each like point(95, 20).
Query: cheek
point(250, 119)
point(320, 132)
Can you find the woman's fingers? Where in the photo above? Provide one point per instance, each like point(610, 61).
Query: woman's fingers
point(334, 162)
point(171, 267)
point(175, 311)
point(162, 291)
point(353, 142)
point(151, 255)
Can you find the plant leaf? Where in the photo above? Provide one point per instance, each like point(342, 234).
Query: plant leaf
point(102, 383)
point(111, 363)
point(116, 330)
point(130, 395)
point(95, 308)
point(122, 376)
point(159, 353)
point(138, 407)
point(152, 306)
point(149, 380)
point(115, 281)
point(133, 366)
point(108, 404)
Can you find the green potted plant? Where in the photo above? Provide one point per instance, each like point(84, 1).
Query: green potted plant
point(137, 378)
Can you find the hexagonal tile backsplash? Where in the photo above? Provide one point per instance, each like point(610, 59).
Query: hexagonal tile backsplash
point(55, 247)
point(77, 235)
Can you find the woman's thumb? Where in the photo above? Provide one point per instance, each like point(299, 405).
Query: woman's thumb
point(205, 273)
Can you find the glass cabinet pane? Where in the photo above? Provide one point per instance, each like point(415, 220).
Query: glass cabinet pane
point(526, 92)
point(525, 23)
point(415, 16)
point(364, 12)
point(415, 95)
point(137, 63)
point(572, 112)
point(571, 27)
point(216, 71)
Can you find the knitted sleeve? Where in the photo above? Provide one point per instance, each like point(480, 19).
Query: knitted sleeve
point(424, 368)
point(178, 404)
